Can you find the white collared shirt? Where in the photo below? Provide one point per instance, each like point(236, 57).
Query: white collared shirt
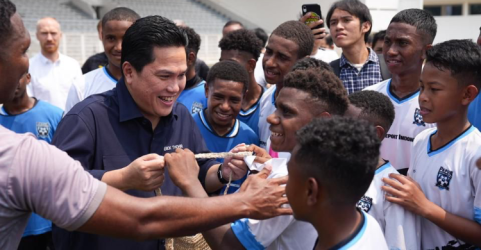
point(51, 81)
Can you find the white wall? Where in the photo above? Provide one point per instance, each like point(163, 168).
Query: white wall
point(457, 27)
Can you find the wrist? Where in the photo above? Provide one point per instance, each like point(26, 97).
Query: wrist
point(221, 176)
point(430, 211)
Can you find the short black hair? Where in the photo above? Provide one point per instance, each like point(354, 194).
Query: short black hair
point(232, 22)
point(230, 71)
point(329, 40)
point(120, 14)
point(421, 19)
point(147, 33)
point(341, 153)
point(242, 40)
point(461, 57)
point(323, 86)
point(374, 106)
point(7, 10)
point(194, 39)
point(311, 63)
point(299, 33)
point(261, 34)
point(379, 36)
point(355, 8)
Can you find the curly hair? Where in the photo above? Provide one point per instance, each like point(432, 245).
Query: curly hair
point(242, 40)
point(299, 33)
point(120, 14)
point(7, 10)
point(323, 86)
point(261, 34)
point(311, 63)
point(230, 71)
point(461, 57)
point(374, 106)
point(194, 39)
point(341, 153)
point(421, 19)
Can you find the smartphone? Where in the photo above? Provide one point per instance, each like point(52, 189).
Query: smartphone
point(316, 14)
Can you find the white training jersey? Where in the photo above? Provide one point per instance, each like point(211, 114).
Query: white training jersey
point(448, 176)
point(408, 122)
point(94, 82)
point(259, 72)
point(401, 228)
point(281, 232)
point(267, 107)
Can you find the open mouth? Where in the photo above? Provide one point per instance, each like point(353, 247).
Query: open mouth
point(274, 134)
point(168, 100)
point(223, 116)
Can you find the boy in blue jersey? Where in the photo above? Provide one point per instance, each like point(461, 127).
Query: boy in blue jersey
point(225, 89)
point(244, 47)
point(398, 225)
point(26, 114)
point(193, 95)
point(444, 185)
point(331, 167)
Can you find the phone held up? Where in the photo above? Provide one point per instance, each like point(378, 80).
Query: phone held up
point(316, 14)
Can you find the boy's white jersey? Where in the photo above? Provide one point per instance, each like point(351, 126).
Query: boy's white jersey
point(267, 107)
point(408, 122)
point(401, 228)
point(448, 176)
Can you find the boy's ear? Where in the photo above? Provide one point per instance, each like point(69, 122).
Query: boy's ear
point(312, 192)
point(251, 64)
point(190, 58)
point(381, 133)
point(470, 93)
point(206, 88)
point(365, 26)
point(426, 48)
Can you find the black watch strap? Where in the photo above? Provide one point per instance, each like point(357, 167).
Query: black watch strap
point(220, 177)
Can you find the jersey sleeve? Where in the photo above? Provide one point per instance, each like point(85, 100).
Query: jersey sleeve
point(47, 181)
point(402, 229)
point(476, 185)
point(259, 234)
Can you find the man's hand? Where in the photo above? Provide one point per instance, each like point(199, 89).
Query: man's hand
point(317, 33)
point(403, 190)
point(265, 197)
point(261, 154)
point(235, 165)
point(146, 173)
point(183, 168)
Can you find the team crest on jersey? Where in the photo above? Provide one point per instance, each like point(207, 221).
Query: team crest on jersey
point(418, 118)
point(196, 107)
point(444, 178)
point(365, 203)
point(42, 129)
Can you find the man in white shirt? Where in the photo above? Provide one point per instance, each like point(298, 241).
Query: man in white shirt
point(52, 72)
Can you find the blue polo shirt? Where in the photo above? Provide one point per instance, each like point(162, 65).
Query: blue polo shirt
point(106, 132)
point(251, 115)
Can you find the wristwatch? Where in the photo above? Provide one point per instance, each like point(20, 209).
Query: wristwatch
point(220, 177)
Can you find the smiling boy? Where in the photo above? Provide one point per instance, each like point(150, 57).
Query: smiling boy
point(114, 25)
point(444, 184)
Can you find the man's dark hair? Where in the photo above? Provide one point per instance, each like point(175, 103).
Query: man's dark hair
point(329, 40)
point(355, 8)
point(229, 71)
point(194, 39)
point(323, 86)
point(7, 10)
point(261, 34)
point(422, 20)
point(379, 36)
point(374, 106)
point(147, 33)
point(311, 63)
point(232, 22)
point(242, 40)
point(299, 33)
point(341, 153)
point(461, 57)
point(120, 14)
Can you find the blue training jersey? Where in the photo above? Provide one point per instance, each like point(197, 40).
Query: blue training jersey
point(474, 112)
point(251, 116)
point(240, 133)
point(194, 99)
point(42, 121)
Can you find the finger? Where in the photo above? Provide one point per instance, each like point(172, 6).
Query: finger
point(284, 211)
point(393, 183)
point(315, 24)
point(393, 191)
point(305, 17)
point(149, 157)
point(280, 180)
point(237, 164)
point(400, 178)
point(155, 165)
point(396, 200)
point(265, 172)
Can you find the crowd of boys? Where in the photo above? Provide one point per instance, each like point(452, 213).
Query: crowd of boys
point(379, 148)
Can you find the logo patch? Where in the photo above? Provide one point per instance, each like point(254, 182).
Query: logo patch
point(42, 129)
point(196, 107)
point(444, 178)
point(418, 118)
point(365, 203)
